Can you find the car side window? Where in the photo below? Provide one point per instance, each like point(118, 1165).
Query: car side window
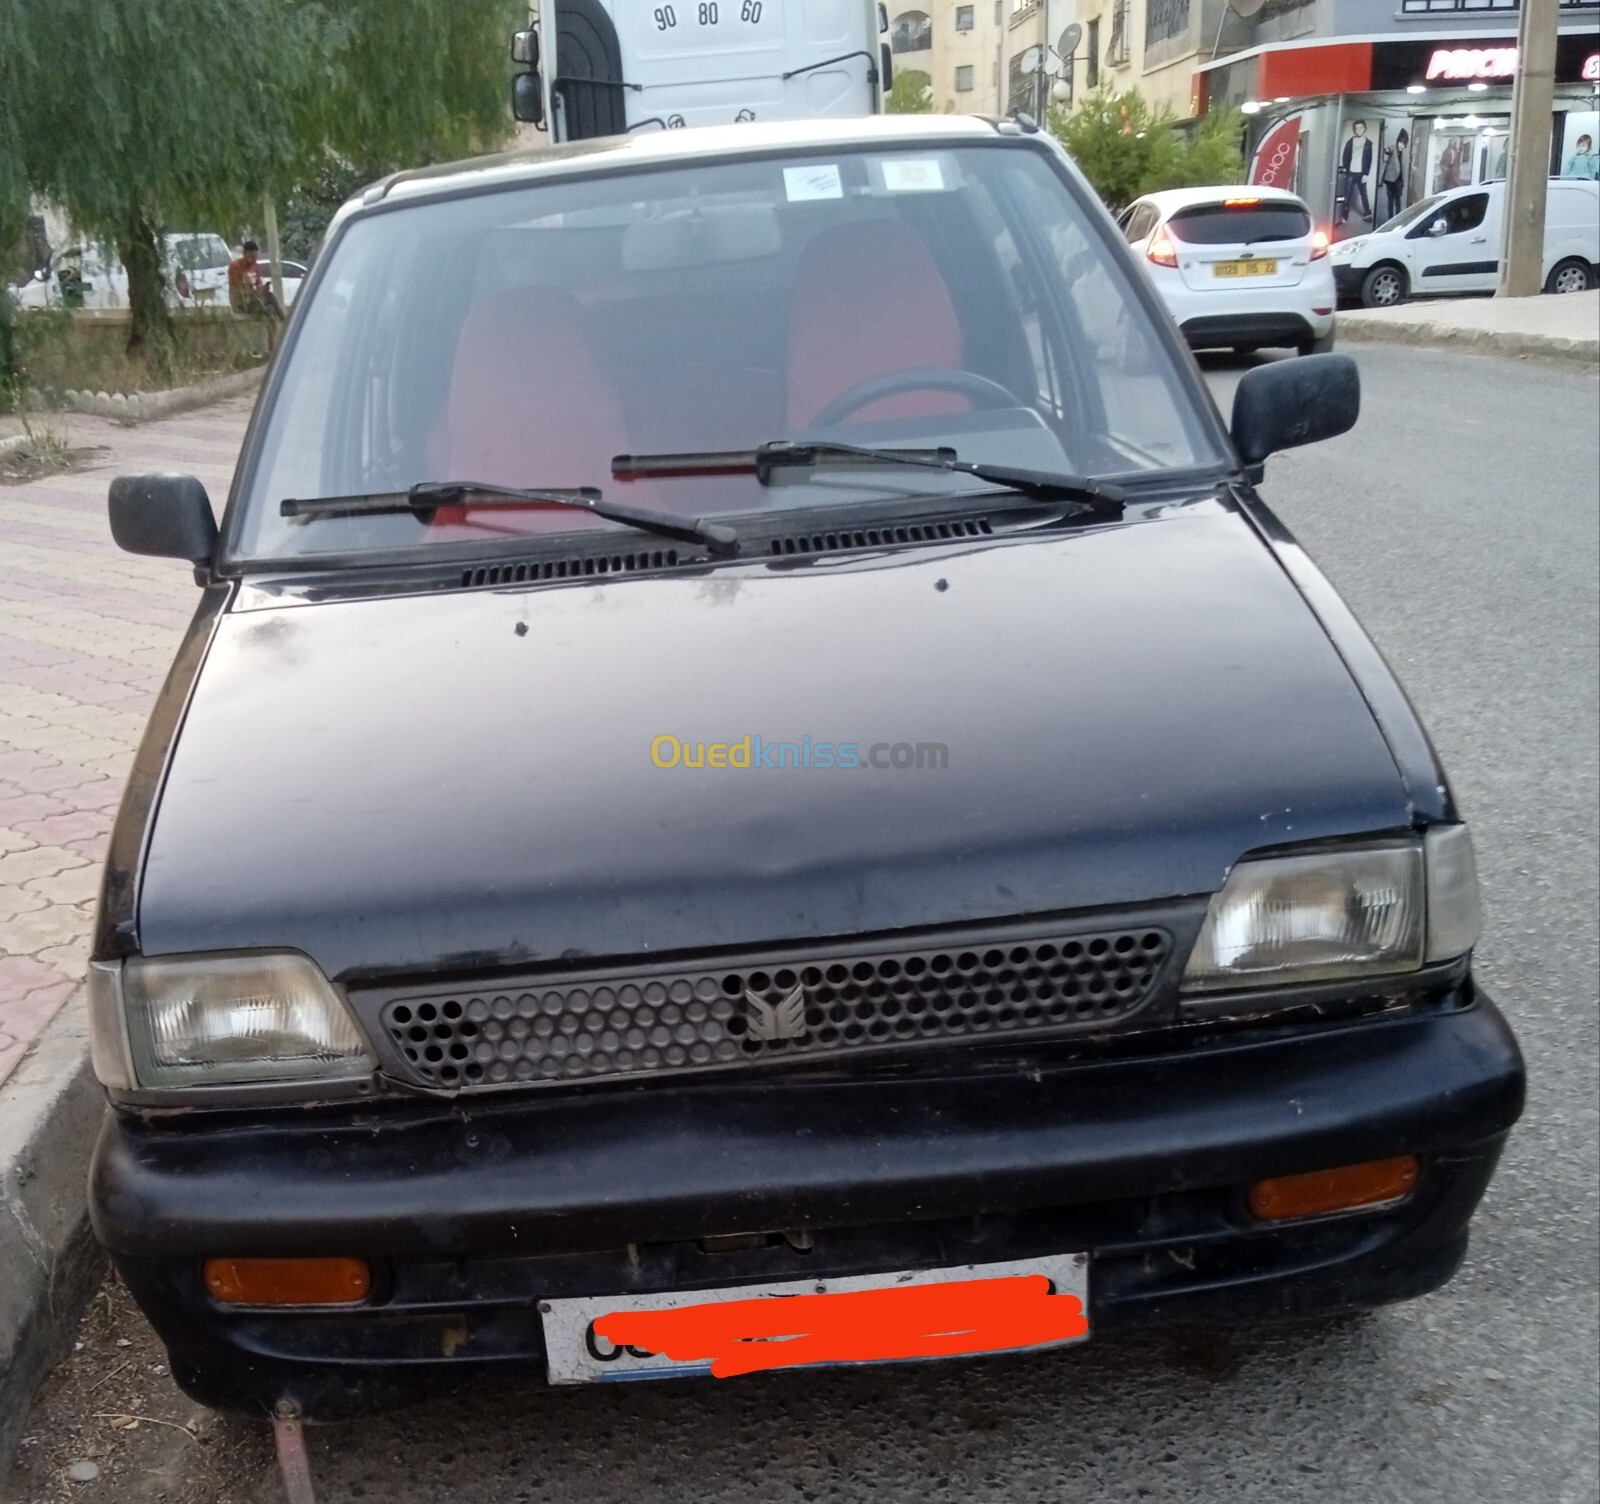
point(1463, 214)
point(1467, 213)
point(1139, 222)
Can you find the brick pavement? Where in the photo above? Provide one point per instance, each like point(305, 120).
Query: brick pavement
point(86, 636)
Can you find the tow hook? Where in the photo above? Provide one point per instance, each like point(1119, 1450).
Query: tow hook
point(294, 1461)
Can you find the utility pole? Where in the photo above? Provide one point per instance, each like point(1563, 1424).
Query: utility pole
point(1528, 173)
point(269, 215)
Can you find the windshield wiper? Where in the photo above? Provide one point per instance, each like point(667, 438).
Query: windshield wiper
point(1039, 485)
point(426, 495)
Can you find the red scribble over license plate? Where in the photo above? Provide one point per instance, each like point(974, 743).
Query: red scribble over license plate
point(932, 1313)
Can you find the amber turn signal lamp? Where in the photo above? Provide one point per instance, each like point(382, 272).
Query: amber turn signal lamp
point(288, 1282)
point(1162, 251)
point(1323, 1191)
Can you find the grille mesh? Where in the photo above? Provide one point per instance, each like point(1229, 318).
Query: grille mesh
point(705, 1016)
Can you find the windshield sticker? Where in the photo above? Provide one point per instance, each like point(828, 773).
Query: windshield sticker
point(903, 175)
point(803, 183)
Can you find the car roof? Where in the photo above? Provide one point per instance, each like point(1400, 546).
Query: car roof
point(1170, 199)
point(700, 144)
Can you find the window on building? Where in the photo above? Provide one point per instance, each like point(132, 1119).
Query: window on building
point(1091, 72)
point(1119, 49)
point(964, 18)
point(911, 31)
point(964, 79)
point(1165, 19)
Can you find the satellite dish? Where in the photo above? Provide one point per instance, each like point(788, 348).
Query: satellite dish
point(1030, 60)
point(1067, 46)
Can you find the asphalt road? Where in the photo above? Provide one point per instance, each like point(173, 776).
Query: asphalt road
point(1460, 521)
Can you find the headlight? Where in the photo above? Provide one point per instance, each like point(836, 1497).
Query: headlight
point(1347, 248)
point(1334, 915)
point(219, 1020)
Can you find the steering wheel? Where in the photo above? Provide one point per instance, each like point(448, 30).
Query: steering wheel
point(985, 395)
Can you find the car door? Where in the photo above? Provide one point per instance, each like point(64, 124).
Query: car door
point(1455, 248)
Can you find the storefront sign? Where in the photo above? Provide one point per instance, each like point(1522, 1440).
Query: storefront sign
point(1591, 68)
point(1462, 63)
point(1274, 160)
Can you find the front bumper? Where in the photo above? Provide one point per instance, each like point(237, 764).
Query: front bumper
point(472, 1213)
point(1347, 279)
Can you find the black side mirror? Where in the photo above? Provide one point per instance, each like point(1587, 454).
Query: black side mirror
point(1293, 402)
point(166, 515)
point(527, 99)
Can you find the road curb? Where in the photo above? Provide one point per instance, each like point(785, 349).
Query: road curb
point(145, 407)
point(1585, 351)
point(50, 1112)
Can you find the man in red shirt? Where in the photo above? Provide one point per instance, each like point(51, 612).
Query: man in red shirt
point(247, 290)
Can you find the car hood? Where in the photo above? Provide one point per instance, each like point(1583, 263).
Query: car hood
point(461, 779)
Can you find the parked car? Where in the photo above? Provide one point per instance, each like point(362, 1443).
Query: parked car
point(1236, 266)
point(729, 750)
point(293, 273)
point(1451, 242)
point(87, 276)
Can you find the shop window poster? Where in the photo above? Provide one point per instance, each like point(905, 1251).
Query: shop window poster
point(1580, 144)
point(1372, 171)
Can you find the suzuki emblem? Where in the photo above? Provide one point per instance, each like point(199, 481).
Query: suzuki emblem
point(784, 1019)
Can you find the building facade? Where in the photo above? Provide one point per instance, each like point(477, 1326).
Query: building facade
point(1395, 105)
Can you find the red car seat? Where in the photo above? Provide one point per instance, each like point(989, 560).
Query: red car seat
point(869, 301)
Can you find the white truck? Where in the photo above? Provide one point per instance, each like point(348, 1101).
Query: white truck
point(609, 67)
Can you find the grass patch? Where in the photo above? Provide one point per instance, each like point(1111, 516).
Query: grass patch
point(67, 351)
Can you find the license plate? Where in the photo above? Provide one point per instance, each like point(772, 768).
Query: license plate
point(1252, 268)
point(878, 1318)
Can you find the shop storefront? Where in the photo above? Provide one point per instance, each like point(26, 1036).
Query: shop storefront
point(1362, 129)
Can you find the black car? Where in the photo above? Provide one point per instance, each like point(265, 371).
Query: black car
point(748, 735)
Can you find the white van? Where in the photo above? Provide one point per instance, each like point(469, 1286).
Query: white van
point(611, 67)
point(1451, 243)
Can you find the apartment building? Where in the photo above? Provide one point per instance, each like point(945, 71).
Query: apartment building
point(984, 58)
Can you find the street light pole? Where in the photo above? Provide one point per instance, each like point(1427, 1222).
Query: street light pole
point(1528, 172)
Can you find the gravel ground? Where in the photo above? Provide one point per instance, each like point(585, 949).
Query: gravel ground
point(1460, 522)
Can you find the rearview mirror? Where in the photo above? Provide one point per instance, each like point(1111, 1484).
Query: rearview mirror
point(1439, 227)
point(1294, 402)
point(525, 48)
point(527, 99)
point(165, 515)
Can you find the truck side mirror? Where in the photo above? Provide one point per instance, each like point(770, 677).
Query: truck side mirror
point(527, 99)
point(525, 48)
point(165, 515)
point(888, 67)
point(1294, 402)
point(883, 18)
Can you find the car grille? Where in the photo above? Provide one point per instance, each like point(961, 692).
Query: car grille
point(823, 1002)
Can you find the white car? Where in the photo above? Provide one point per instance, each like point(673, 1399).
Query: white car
point(84, 276)
point(1451, 242)
point(1236, 266)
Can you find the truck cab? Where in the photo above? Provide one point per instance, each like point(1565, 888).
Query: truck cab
point(605, 68)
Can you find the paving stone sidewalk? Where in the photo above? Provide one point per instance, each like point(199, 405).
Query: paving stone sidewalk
point(86, 636)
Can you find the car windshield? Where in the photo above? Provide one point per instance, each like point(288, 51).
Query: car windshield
point(959, 296)
point(1411, 215)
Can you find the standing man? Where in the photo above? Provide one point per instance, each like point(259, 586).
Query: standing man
point(1355, 165)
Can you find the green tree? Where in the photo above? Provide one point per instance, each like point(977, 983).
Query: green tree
point(16, 58)
point(145, 115)
point(1126, 149)
point(911, 93)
